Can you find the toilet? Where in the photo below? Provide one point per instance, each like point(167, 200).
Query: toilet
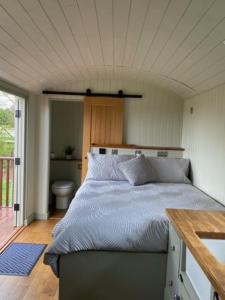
point(64, 191)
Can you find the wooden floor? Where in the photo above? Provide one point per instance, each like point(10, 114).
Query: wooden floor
point(7, 230)
point(41, 284)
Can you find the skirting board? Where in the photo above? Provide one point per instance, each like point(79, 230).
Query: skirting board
point(36, 216)
point(29, 219)
point(41, 216)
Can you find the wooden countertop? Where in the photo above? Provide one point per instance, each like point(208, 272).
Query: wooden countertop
point(191, 226)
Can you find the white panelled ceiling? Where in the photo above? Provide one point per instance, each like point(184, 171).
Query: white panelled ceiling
point(178, 44)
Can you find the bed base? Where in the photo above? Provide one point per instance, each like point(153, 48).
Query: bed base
point(111, 275)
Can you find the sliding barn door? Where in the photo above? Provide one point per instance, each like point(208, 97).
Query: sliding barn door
point(103, 124)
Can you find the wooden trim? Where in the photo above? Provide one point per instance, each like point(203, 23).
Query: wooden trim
point(190, 225)
point(132, 146)
point(11, 238)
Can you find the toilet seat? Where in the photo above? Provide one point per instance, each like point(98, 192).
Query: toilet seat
point(63, 184)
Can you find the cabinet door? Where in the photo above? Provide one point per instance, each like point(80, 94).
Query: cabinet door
point(173, 261)
point(103, 124)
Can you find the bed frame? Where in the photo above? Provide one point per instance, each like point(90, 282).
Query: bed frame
point(112, 275)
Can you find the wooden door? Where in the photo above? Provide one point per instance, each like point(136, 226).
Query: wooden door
point(103, 124)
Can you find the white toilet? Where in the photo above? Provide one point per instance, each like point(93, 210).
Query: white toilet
point(64, 191)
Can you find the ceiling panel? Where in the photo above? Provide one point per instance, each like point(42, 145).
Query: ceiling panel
point(175, 44)
point(156, 12)
point(192, 15)
point(172, 17)
point(209, 21)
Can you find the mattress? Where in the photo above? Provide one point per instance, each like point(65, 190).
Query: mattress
point(113, 215)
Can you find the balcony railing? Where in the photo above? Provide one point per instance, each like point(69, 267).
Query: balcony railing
point(6, 181)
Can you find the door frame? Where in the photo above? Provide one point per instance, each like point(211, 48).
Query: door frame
point(21, 93)
point(19, 170)
point(50, 99)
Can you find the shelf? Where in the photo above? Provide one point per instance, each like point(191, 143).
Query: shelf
point(127, 146)
point(64, 159)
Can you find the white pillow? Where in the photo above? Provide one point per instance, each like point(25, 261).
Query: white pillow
point(174, 170)
point(105, 166)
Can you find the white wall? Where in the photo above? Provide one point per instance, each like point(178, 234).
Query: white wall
point(155, 120)
point(204, 141)
point(42, 145)
point(66, 127)
point(30, 158)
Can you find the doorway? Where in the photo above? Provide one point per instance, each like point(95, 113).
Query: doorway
point(66, 132)
point(12, 128)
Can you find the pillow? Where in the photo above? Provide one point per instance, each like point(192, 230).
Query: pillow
point(174, 170)
point(136, 170)
point(105, 166)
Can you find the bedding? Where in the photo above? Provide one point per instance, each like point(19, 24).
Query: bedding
point(173, 170)
point(105, 166)
point(136, 170)
point(113, 215)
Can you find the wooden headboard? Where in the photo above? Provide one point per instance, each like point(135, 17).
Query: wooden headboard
point(173, 152)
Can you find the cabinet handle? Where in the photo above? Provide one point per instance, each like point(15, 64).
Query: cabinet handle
point(172, 248)
point(181, 278)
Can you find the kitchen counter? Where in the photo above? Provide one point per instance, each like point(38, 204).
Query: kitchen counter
point(192, 226)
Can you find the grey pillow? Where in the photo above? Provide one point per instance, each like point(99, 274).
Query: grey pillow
point(174, 170)
point(105, 166)
point(136, 171)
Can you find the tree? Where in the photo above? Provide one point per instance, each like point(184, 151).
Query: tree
point(6, 118)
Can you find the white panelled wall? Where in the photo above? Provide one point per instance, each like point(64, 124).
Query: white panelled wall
point(204, 141)
point(155, 120)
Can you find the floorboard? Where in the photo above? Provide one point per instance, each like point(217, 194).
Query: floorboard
point(7, 230)
point(41, 284)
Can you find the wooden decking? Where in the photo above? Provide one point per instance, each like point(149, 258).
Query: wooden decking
point(42, 283)
point(7, 230)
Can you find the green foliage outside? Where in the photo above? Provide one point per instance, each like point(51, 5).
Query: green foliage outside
point(6, 117)
point(6, 148)
point(6, 132)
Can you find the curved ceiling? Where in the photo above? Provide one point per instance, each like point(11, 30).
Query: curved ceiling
point(177, 44)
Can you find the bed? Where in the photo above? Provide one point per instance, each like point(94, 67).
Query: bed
point(112, 243)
